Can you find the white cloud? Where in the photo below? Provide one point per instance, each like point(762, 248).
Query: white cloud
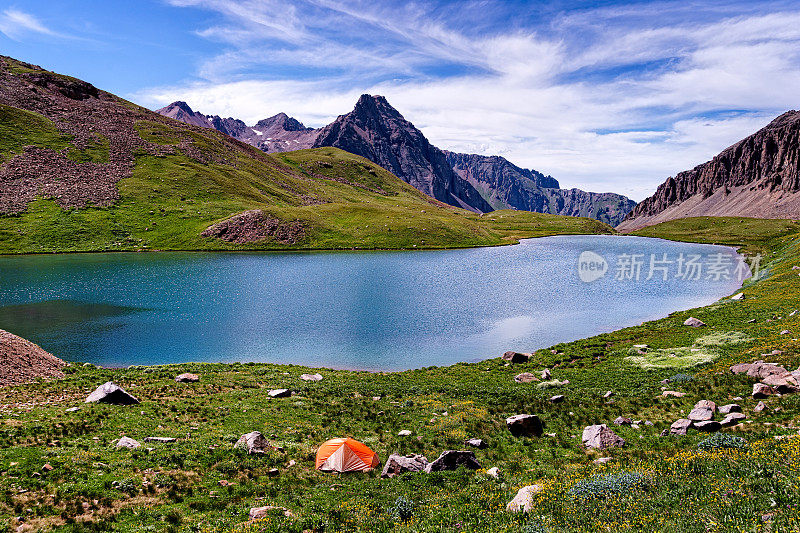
point(571, 100)
point(15, 24)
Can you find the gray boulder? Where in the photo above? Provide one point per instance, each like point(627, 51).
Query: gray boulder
point(525, 425)
point(311, 377)
point(702, 410)
point(279, 393)
point(254, 442)
point(187, 378)
point(525, 377)
point(732, 419)
point(783, 383)
point(600, 436)
point(397, 464)
point(730, 408)
point(708, 426)
point(761, 391)
point(523, 501)
point(111, 393)
point(622, 421)
point(516, 357)
point(694, 322)
point(127, 442)
point(760, 406)
point(453, 460)
point(680, 427)
point(476, 443)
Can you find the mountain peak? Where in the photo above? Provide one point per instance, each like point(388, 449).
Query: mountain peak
point(281, 121)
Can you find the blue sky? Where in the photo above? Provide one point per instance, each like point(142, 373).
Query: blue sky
point(602, 95)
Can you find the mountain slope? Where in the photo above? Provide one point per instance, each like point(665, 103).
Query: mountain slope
point(758, 176)
point(82, 169)
point(505, 185)
point(378, 132)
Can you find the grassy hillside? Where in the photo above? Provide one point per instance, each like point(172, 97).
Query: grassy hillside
point(95, 173)
point(747, 480)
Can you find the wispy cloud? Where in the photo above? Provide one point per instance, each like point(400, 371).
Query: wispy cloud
point(616, 98)
point(16, 24)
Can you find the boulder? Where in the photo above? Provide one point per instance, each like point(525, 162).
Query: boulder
point(702, 410)
point(254, 442)
point(516, 357)
point(397, 464)
point(732, 419)
point(760, 406)
point(730, 408)
point(783, 383)
point(545, 375)
point(523, 501)
point(525, 425)
point(162, 440)
point(680, 427)
point(525, 377)
point(785, 332)
point(493, 472)
point(476, 443)
point(741, 368)
point(257, 513)
point(673, 393)
point(279, 393)
point(622, 421)
point(452, 460)
point(557, 398)
point(761, 370)
point(127, 442)
point(111, 393)
point(187, 378)
point(694, 322)
point(600, 436)
point(311, 377)
point(404, 433)
point(603, 460)
point(739, 296)
point(708, 426)
point(608, 394)
point(762, 391)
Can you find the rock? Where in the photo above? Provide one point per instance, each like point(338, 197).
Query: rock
point(476, 443)
point(785, 332)
point(601, 437)
point(557, 398)
point(694, 322)
point(761, 370)
point(603, 460)
point(545, 375)
point(254, 442)
point(741, 368)
point(622, 421)
point(523, 501)
point(493, 472)
point(311, 377)
point(708, 426)
point(760, 406)
point(257, 513)
point(783, 383)
point(187, 378)
point(702, 410)
point(751, 321)
point(516, 357)
point(47, 467)
point(404, 433)
point(525, 377)
point(162, 440)
point(72, 409)
point(680, 427)
point(279, 393)
point(730, 408)
point(673, 393)
point(762, 391)
point(111, 393)
point(732, 419)
point(127, 442)
point(608, 395)
point(397, 464)
point(524, 425)
point(739, 296)
point(273, 472)
point(452, 460)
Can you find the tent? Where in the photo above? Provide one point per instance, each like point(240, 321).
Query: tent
point(345, 455)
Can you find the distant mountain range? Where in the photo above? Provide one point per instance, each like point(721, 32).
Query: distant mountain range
point(758, 176)
point(378, 132)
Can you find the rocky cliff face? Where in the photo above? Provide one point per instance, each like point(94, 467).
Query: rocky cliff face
point(756, 177)
point(505, 185)
point(376, 131)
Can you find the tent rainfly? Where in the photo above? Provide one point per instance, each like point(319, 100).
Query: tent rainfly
point(345, 455)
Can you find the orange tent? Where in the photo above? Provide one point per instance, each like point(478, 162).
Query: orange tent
point(345, 455)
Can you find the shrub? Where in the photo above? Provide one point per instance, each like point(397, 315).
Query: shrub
point(722, 440)
point(681, 378)
point(534, 527)
point(403, 508)
point(607, 485)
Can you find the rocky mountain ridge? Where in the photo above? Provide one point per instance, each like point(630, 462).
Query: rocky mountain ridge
point(377, 131)
point(758, 176)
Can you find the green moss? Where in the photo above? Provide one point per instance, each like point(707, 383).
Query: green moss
point(20, 128)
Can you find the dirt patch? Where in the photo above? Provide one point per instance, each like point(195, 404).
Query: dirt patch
point(253, 226)
point(22, 361)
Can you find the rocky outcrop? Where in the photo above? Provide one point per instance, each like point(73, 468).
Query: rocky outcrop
point(253, 226)
point(525, 425)
point(254, 442)
point(453, 460)
point(600, 436)
point(22, 361)
point(758, 176)
point(397, 464)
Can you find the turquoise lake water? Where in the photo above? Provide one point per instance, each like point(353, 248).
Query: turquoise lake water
point(353, 310)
